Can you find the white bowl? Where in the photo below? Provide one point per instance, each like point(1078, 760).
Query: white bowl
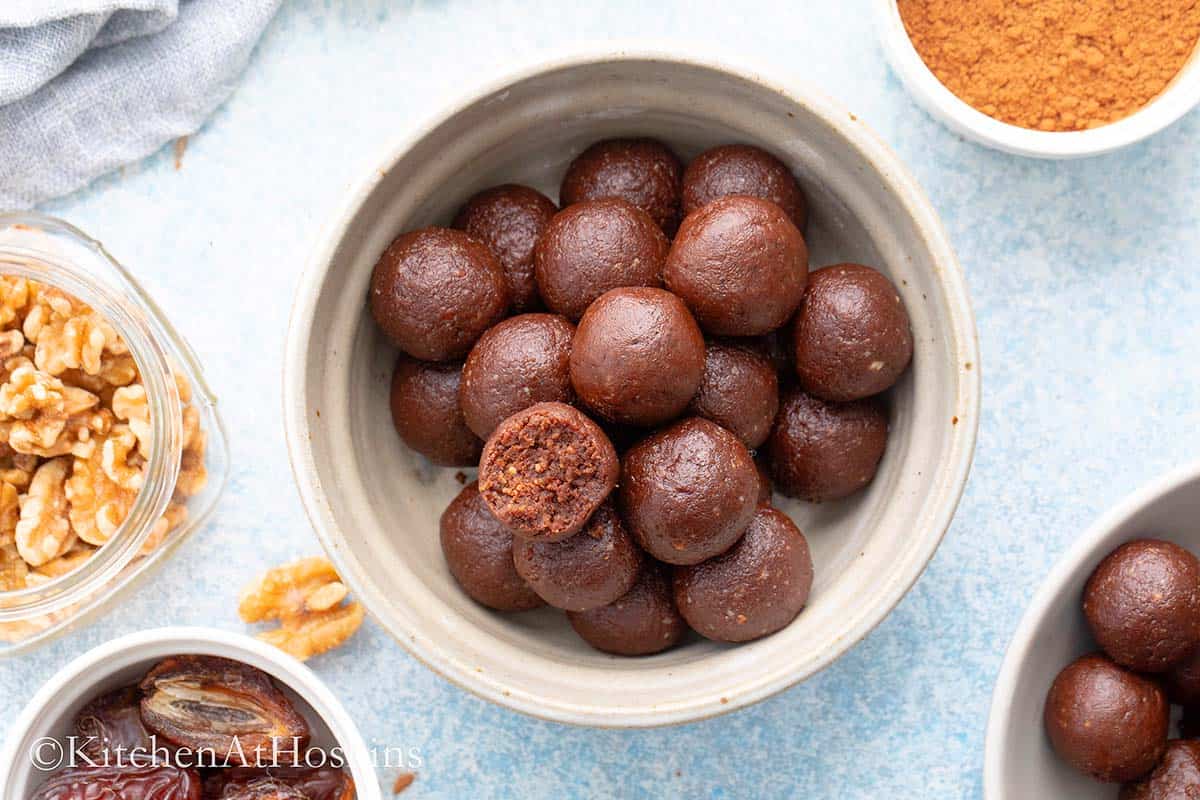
point(375, 505)
point(121, 662)
point(1180, 97)
point(1019, 761)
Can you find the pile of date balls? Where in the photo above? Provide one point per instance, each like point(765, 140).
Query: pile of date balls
point(626, 356)
point(1108, 714)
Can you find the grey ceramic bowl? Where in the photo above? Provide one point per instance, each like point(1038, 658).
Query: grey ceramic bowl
point(1019, 760)
point(376, 505)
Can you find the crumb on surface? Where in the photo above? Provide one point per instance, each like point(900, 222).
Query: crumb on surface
point(403, 781)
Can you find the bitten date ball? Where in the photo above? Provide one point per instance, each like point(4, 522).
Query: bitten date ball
point(435, 291)
point(754, 588)
point(688, 492)
point(1177, 776)
point(591, 247)
point(509, 219)
point(546, 470)
point(739, 392)
point(590, 569)
point(521, 361)
point(643, 172)
point(825, 451)
point(1143, 605)
point(851, 335)
point(426, 413)
point(638, 357)
point(740, 265)
point(479, 552)
point(743, 169)
point(642, 621)
point(1105, 721)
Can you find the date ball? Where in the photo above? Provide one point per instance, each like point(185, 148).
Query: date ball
point(1177, 776)
point(743, 169)
point(740, 265)
point(752, 589)
point(427, 415)
point(1143, 605)
point(642, 621)
point(546, 470)
point(1182, 681)
point(521, 361)
point(688, 492)
point(643, 172)
point(1106, 721)
point(851, 336)
point(825, 451)
point(739, 391)
point(479, 552)
point(435, 291)
point(638, 357)
point(509, 219)
point(591, 247)
point(590, 569)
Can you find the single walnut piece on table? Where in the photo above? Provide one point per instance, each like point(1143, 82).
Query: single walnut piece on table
point(75, 436)
point(307, 598)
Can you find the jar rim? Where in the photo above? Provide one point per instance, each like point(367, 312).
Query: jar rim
point(165, 409)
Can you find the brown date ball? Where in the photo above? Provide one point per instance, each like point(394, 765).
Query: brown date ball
point(638, 357)
point(688, 492)
point(766, 489)
point(591, 247)
point(1105, 721)
point(479, 552)
point(743, 169)
point(739, 392)
point(426, 413)
point(740, 265)
point(1182, 681)
point(588, 570)
point(825, 451)
point(642, 621)
point(851, 336)
point(643, 172)
point(509, 219)
point(1143, 605)
point(1177, 776)
point(545, 470)
point(435, 291)
point(754, 588)
point(519, 362)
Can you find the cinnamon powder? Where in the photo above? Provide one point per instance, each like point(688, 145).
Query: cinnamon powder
point(1054, 65)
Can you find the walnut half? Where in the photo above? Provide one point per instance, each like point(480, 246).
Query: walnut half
point(308, 599)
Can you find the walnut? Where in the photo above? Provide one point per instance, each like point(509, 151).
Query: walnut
point(130, 404)
point(307, 598)
point(34, 402)
point(119, 459)
point(175, 515)
point(10, 512)
point(99, 504)
point(193, 475)
point(66, 563)
point(11, 343)
point(43, 532)
point(14, 297)
point(13, 569)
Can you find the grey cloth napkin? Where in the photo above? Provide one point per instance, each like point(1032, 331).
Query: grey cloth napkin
point(89, 85)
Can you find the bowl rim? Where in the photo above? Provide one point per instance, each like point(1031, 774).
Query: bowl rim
point(892, 172)
point(236, 646)
point(1179, 97)
point(1068, 565)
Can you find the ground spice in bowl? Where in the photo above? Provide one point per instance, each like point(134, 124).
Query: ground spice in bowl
point(1054, 65)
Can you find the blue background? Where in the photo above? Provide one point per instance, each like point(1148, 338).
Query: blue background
point(1085, 282)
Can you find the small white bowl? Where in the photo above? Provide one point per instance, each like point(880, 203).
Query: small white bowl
point(1180, 97)
point(121, 662)
point(375, 505)
point(1019, 762)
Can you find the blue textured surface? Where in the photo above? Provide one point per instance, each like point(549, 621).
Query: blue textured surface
point(1085, 282)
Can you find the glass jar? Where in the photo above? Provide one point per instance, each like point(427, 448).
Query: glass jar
point(52, 252)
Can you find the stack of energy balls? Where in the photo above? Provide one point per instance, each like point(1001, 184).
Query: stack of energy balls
point(665, 329)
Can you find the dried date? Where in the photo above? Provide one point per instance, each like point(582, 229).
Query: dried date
point(121, 783)
point(314, 783)
point(110, 728)
point(225, 707)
